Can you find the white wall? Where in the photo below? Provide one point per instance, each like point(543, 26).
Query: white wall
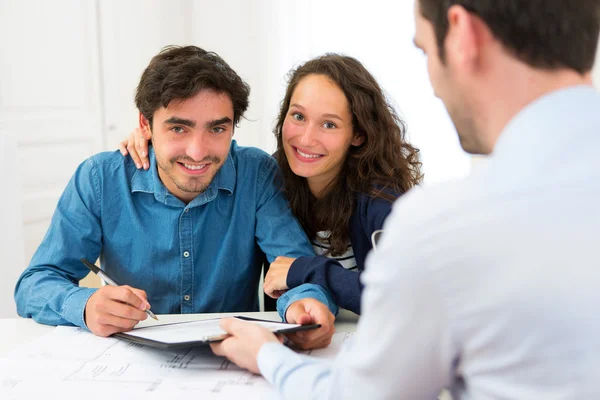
point(258, 39)
point(131, 33)
point(11, 231)
point(236, 39)
point(379, 33)
point(267, 38)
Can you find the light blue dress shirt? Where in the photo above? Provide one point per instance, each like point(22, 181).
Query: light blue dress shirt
point(203, 257)
point(489, 286)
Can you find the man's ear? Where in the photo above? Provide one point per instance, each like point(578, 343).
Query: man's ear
point(145, 126)
point(467, 36)
point(358, 139)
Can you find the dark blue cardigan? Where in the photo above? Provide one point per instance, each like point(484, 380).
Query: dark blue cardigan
point(345, 286)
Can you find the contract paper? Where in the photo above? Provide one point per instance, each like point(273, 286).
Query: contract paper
point(70, 363)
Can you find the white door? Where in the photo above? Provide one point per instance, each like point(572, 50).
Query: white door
point(11, 227)
point(68, 73)
point(49, 99)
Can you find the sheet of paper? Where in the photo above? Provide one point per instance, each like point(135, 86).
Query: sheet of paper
point(70, 363)
point(339, 341)
point(195, 331)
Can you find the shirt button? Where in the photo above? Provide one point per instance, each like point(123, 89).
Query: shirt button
point(186, 297)
point(186, 254)
point(186, 210)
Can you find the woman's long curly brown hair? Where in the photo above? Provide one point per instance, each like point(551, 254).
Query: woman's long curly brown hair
point(384, 166)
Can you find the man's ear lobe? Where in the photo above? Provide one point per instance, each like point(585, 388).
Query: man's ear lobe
point(147, 133)
point(144, 123)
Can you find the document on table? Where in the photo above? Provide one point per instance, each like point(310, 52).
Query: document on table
point(194, 333)
point(71, 363)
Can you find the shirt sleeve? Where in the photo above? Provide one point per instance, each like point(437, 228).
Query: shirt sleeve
point(343, 284)
point(307, 290)
point(402, 347)
point(48, 290)
point(277, 232)
point(277, 363)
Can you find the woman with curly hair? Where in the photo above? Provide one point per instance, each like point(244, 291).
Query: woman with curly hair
point(343, 153)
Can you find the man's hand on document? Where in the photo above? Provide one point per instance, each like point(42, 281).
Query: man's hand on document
point(113, 309)
point(243, 345)
point(246, 339)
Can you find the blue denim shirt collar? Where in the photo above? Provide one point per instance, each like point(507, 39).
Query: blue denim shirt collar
point(149, 182)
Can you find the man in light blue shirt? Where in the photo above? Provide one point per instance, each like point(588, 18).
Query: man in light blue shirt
point(487, 286)
point(191, 231)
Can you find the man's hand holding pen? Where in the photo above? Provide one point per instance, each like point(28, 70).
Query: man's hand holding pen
point(113, 309)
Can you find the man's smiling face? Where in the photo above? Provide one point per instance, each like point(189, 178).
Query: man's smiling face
point(191, 140)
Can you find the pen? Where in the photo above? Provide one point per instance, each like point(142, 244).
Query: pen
point(107, 279)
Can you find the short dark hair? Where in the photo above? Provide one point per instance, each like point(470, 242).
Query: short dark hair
point(548, 34)
point(181, 73)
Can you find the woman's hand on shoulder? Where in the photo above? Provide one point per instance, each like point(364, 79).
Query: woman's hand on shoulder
point(136, 146)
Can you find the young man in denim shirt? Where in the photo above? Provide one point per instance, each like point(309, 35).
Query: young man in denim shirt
point(191, 230)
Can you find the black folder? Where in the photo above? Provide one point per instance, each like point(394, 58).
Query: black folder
point(197, 333)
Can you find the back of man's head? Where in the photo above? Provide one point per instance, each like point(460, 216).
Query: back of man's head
point(546, 34)
point(179, 73)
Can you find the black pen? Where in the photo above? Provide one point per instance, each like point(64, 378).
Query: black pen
point(107, 279)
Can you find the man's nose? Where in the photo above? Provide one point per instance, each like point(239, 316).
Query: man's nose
point(196, 147)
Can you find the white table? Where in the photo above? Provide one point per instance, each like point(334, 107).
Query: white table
point(17, 331)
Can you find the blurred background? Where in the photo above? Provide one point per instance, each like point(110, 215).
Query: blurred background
point(69, 68)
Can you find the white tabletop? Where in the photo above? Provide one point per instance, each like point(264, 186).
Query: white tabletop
point(17, 331)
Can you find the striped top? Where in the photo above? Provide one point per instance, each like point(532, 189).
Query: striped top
point(321, 247)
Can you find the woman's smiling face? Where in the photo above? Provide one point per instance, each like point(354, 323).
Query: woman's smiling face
point(317, 131)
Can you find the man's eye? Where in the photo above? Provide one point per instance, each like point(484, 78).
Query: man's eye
point(218, 129)
point(177, 129)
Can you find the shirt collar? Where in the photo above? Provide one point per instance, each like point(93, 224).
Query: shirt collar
point(547, 122)
point(226, 176)
point(148, 181)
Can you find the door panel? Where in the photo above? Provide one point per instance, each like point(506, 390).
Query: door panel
point(49, 99)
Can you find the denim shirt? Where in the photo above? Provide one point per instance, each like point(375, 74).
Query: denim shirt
point(203, 257)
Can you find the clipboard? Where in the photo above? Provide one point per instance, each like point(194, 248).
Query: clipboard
point(197, 333)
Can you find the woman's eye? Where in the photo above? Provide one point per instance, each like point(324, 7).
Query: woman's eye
point(329, 125)
point(298, 117)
